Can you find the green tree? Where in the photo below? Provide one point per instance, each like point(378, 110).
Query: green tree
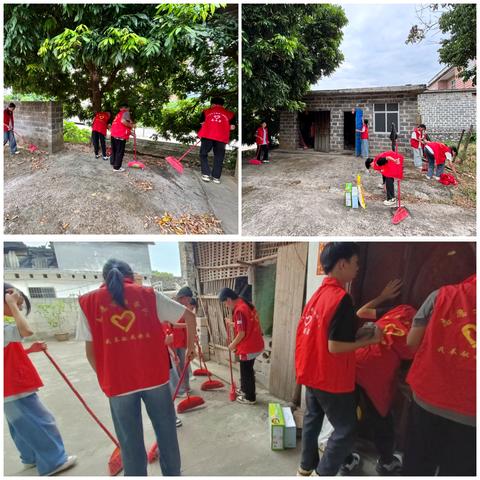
point(95, 56)
point(459, 22)
point(286, 48)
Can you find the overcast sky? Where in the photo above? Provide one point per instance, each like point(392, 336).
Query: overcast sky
point(375, 51)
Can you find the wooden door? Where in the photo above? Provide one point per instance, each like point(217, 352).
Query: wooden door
point(322, 131)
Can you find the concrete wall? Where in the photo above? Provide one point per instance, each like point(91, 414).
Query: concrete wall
point(187, 264)
point(447, 112)
point(40, 123)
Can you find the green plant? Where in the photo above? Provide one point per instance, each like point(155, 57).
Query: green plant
point(74, 134)
point(27, 97)
point(53, 313)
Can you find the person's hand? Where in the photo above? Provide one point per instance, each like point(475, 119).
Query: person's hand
point(191, 353)
point(377, 335)
point(37, 347)
point(232, 127)
point(169, 339)
point(12, 297)
point(392, 289)
point(228, 322)
point(232, 347)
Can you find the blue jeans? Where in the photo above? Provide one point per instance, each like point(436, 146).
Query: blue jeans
point(35, 433)
point(417, 157)
point(186, 379)
point(365, 148)
point(127, 419)
point(431, 165)
point(10, 138)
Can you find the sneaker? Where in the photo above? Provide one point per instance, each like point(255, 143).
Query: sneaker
point(215, 180)
point(265, 161)
point(97, 156)
point(238, 391)
point(394, 467)
point(381, 185)
point(241, 399)
point(178, 422)
point(71, 461)
point(348, 468)
point(390, 203)
point(15, 153)
point(118, 169)
point(205, 178)
point(304, 473)
point(436, 178)
point(427, 177)
point(106, 158)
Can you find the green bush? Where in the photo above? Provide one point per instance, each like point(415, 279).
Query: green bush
point(74, 134)
point(27, 97)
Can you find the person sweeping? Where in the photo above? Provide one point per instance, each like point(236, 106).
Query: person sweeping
point(31, 425)
point(261, 139)
point(9, 128)
point(217, 122)
point(437, 155)
point(100, 125)
point(121, 324)
point(417, 139)
point(120, 132)
point(248, 342)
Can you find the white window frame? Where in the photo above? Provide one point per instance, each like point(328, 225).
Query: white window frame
point(385, 112)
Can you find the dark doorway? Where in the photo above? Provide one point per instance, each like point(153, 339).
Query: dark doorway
point(315, 130)
point(306, 123)
point(349, 131)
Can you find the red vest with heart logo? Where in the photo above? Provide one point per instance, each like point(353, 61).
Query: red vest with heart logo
point(364, 132)
point(439, 151)
point(180, 335)
point(315, 366)
point(261, 134)
point(119, 130)
point(252, 342)
point(216, 125)
point(129, 343)
point(443, 373)
point(415, 138)
point(377, 365)
point(100, 122)
point(390, 169)
point(19, 373)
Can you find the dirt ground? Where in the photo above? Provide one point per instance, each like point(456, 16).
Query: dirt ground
point(302, 194)
point(71, 192)
point(222, 438)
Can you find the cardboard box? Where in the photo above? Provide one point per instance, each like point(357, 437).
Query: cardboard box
point(354, 197)
point(277, 426)
point(290, 434)
point(348, 194)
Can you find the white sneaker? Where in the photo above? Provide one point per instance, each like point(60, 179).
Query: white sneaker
point(205, 178)
point(427, 177)
point(215, 180)
point(97, 156)
point(305, 473)
point(178, 422)
point(16, 153)
point(436, 178)
point(381, 185)
point(394, 467)
point(241, 399)
point(71, 461)
point(348, 468)
point(119, 170)
point(106, 158)
point(390, 203)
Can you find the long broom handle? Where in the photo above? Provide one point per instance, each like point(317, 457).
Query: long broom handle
point(82, 401)
point(229, 354)
point(189, 150)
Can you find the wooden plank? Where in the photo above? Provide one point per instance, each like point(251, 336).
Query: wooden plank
point(289, 300)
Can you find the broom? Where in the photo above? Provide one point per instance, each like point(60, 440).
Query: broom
point(401, 212)
point(209, 384)
point(201, 372)
point(135, 163)
point(233, 387)
point(176, 163)
point(115, 465)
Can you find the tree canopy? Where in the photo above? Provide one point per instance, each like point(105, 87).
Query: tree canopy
point(285, 49)
point(94, 56)
point(459, 21)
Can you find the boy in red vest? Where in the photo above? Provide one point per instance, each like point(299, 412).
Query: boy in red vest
point(325, 361)
point(390, 165)
point(437, 154)
point(8, 128)
point(364, 138)
point(120, 132)
point(121, 325)
point(442, 423)
point(31, 425)
point(101, 123)
point(417, 140)
point(262, 142)
point(247, 344)
point(217, 122)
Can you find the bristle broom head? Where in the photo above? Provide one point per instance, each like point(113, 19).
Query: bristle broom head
point(115, 465)
point(212, 385)
point(153, 453)
point(201, 372)
point(189, 403)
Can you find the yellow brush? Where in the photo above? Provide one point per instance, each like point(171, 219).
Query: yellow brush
point(360, 192)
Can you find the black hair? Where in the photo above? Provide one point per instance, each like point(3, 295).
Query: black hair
point(193, 302)
point(228, 293)
point(124, 105)
point(333, 252)
point(263, 121)
point(114, 274)
point(8, 286)
point(12, 105)
point(217, 101)
point(368, 163)
point(454, 150)
point(422, 126)
point(382, 161)
point(184, 292)
point(366, 122)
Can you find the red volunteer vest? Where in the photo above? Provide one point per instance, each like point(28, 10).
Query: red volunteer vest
point(443, 373)
point(100, 122)
point(390, 169)
point(7, 118)
point(415, 138)
point(216, 125)
point(129, 344)
point(119, 130)
point(377, 365)
point(180, 336)
point(439, 151)
point(259, 138)
point(364, 134)
point(253, 340)
point(19, 373)
point(315, 366)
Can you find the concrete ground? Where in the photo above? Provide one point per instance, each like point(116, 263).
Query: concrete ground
point(71, 192)
point(302, 193)
point(221, 439)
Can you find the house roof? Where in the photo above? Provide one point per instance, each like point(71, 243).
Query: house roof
point(442, 75)
point(355, 91)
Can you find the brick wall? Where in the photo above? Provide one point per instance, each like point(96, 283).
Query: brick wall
point(40, 123)
point(447, 112)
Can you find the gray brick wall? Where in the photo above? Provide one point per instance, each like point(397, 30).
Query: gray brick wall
point(40, 123)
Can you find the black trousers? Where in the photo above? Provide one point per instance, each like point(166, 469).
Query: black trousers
point(99, 138)
point(247, 379)
point(118, 151)
point(218, 157)
point(262, 152)
point(340, 411)
point(390, 187)
point(436, 443)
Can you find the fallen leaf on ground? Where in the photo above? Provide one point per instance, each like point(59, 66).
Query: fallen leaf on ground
point(189, 224)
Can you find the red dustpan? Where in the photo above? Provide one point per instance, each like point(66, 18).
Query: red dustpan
point(135, 163)
point(176, 163)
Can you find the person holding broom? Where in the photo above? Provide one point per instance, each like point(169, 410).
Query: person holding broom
point(101, 123)
point(437, 155)
point(125, 346)
point(217, 122)
point(31, 425)
point(247, 344)
point(120, 132)
point(261, 139)
point(8, 128)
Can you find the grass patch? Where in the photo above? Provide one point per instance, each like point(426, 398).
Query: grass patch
point(74, 134)
point(466, 193)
